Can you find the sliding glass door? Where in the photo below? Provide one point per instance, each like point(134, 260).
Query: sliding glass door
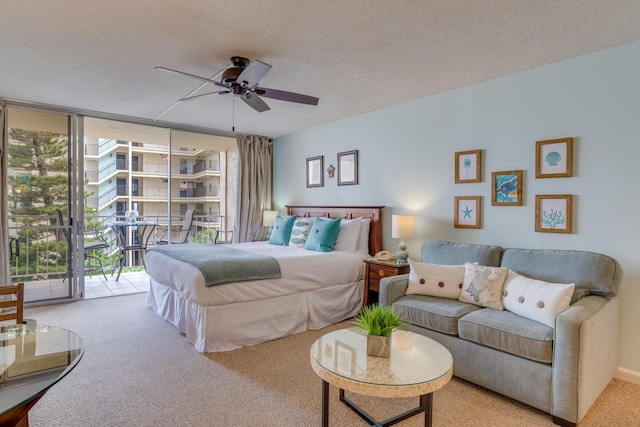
point(41, 188)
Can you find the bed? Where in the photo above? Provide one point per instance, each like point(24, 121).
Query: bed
point(315, 289)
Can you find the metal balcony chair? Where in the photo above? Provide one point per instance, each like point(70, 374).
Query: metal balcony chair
point(219, 239)
point(97, 241)
point(16, 302)
point(183, 234)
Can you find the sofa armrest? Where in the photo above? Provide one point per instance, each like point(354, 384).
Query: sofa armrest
point(585, 354)
point(392, 288)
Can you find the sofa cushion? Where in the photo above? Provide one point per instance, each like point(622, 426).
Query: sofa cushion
point(443, 281)
point(483, 285)
point(536, 299)
point(593, 273)
point(438, 314)
point(508, 332)
point(441, 252)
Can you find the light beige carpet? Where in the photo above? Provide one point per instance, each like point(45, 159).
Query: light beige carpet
point(139, 371)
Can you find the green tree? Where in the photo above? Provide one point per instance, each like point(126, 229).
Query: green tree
point(43, 186)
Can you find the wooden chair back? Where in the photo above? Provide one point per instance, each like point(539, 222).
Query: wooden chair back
point(17, 303)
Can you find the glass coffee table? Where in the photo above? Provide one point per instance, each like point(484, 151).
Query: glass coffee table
point(417, 366)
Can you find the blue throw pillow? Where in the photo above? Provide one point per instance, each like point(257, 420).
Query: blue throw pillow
point(281, 231)
point(323, 235)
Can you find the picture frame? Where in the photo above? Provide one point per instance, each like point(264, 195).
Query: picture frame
point(467, 211)
point(507, 188)
point(348, 168)
point(468, 166)
point(554, 213)
point(554, 158)
point(315, 171)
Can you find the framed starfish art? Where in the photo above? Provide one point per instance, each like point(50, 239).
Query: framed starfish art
point(467, 212)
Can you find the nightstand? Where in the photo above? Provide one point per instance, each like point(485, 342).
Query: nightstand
point(376, 270)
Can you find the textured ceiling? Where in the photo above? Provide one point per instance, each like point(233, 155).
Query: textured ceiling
point(355, 55)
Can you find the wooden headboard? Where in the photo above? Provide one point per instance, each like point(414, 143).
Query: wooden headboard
point(347, 212)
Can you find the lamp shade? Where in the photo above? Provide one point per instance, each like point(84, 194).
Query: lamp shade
point(269, 218)
point(403, 226)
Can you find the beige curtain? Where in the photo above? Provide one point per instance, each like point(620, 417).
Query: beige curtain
point(255, 186)
point(5, 273)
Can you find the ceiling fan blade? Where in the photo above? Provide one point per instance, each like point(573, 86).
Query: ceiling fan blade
point(193, 76)
point(251, 75)
point(189, 98)
point(286, 96)
point(255, 102)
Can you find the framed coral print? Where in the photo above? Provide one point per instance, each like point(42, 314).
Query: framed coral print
point(554, 213)
point(466, 212)
point(468, 166)
point(507, 188)
point(554, 158)
point(348, 168)
point(315, 177)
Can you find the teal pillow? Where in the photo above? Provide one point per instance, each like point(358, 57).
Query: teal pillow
point(323, 235)
point(281, 231)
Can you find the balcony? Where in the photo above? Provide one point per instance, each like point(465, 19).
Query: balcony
point(40, 254)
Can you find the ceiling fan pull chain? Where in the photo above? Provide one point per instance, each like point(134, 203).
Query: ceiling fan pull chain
point(233, 115)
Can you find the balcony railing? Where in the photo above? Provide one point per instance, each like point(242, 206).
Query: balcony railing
point(39, 250)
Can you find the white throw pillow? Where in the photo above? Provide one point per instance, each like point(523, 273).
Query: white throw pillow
point(300, 232)
point(348, 234)
point(363, 238)
point(536, 299)
point(444, 281)
point(483, 285)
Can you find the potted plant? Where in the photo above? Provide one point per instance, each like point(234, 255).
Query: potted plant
point(378, 322)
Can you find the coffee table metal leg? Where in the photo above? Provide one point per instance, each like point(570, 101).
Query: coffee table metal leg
point(426, 406)
point(325, 404)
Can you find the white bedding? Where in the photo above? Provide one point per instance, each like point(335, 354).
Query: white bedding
point(316, 289)
point(301, 270)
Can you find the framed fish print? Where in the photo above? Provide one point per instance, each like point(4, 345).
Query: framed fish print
point(554, 158)
point(468, 166)
point(554, 213)
point(466, 212)
point(507, 188)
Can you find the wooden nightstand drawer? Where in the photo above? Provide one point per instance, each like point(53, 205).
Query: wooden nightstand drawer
point(377, 270)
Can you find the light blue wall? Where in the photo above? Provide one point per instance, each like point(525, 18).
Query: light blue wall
point(406, 155)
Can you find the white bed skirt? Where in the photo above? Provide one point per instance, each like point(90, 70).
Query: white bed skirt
point(231, 326)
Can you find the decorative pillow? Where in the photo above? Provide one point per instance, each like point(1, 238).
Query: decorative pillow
point(483, 285)
point(281, 231)
point(300, 232)
point(536, 299)
point(323, 235)
point(348, 235)
point(363, 238)
point(443, 281)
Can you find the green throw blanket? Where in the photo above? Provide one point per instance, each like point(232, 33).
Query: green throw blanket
point(221, 264)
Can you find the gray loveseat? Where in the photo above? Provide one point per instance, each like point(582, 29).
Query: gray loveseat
point(559, 370)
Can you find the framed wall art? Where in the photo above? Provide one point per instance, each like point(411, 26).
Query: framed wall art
point(554, 213)
point(554, 158)
point(466, 212)
point(507, 188)
point(348, 168)
point(315, 174)
point(468, 167)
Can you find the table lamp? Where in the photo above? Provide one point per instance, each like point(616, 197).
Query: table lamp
point(268, 219)
point(403, 227)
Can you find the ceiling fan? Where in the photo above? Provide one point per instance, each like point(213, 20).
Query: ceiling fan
point(241, 79)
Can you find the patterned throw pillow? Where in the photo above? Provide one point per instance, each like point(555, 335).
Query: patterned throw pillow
point(483, 285)
point(300, 232)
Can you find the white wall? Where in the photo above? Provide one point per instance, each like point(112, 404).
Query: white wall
point(406, 158)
